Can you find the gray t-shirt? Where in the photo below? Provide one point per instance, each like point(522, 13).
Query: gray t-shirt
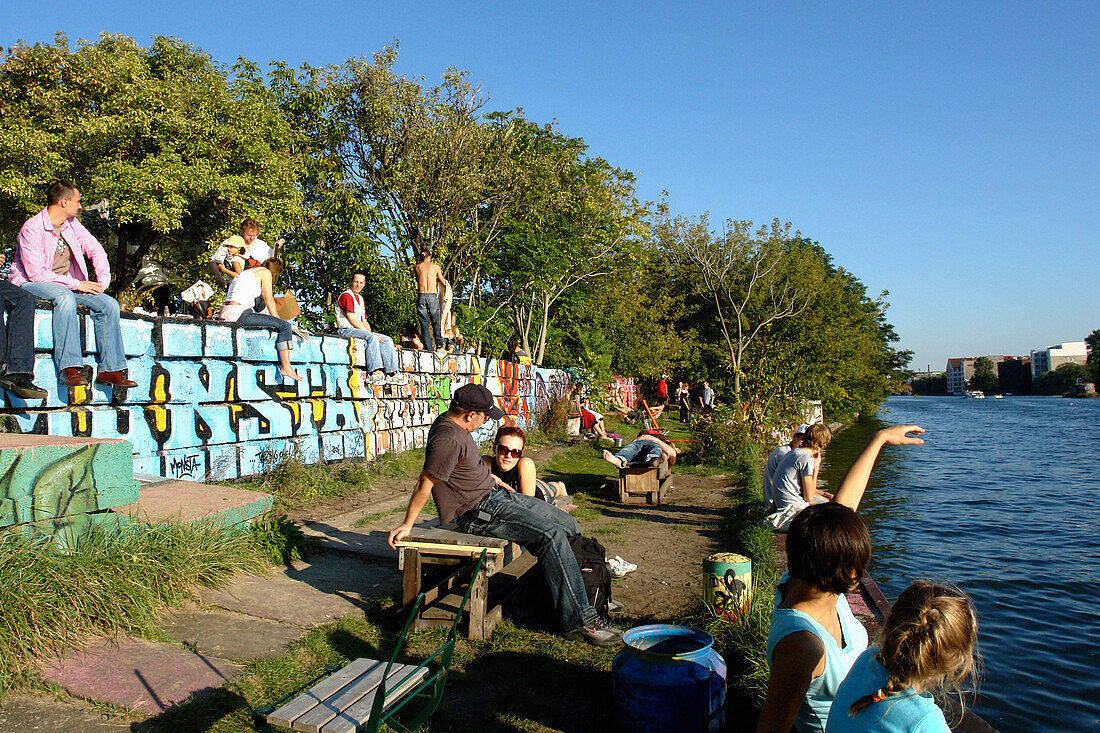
point(769, 471)
point(788, 477)
point(461, 478)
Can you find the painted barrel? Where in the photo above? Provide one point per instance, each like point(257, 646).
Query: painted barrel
point(669, 679)
point(727, 589)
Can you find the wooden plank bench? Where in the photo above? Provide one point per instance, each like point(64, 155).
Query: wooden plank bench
point(645, 484)
point(367, 692)
point(426, 550)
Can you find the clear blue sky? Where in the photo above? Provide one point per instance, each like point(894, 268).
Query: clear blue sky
point(944, 151)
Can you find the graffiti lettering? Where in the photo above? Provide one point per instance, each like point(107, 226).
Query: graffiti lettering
point(185, 466)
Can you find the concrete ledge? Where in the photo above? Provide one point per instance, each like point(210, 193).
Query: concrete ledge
point(185, 501)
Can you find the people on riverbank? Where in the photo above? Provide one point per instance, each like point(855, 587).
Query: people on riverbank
point(926, 643)
point(463, 488)
point(773, 461)
point(814, 637)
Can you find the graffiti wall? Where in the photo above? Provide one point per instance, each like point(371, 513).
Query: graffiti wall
point(210, 403)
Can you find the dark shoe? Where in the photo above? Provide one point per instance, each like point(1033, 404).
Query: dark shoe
point(21, 386)
point(115, 379)
point(597, 633)
point(71, 377)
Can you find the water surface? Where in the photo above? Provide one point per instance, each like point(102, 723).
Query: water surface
point(1003, 500)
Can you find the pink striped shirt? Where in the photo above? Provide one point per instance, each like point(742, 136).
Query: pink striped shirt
point(36, 246)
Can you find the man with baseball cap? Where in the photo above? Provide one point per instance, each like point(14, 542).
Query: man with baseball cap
point(775, 457)
point(464, 490)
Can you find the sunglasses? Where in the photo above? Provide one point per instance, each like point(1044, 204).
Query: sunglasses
point(513, 452)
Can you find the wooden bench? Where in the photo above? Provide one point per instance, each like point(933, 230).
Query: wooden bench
point(435, 562)
point(645, 484)
point(367, 692)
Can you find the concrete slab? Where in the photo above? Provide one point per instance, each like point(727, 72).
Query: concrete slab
point(138, 674)
point(227, 634)
point(186, 501)
point(327, 587)
point(28, 714)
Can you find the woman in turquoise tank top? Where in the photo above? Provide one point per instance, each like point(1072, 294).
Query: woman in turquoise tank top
point(814, 638)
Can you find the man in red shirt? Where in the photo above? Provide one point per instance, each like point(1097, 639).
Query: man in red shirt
point(351, 321)
point(662, 390)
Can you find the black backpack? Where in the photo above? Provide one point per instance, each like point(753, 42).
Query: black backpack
point(532, 605)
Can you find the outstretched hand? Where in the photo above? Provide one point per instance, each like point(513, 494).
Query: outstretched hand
point(899, 435)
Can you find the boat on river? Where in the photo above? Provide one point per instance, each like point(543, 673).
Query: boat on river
point(974, 394)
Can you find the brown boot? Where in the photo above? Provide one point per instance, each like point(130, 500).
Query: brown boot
point(71, 377)
point(115, 379)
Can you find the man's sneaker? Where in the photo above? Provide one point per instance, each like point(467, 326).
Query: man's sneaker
point(596, 633)
point(616, 567)
point(627, 566)
point(377, 377)
point(21, 386)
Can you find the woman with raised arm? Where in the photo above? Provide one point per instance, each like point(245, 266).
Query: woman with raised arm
point(814, 637)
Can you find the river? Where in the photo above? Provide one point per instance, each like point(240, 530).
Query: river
point(1003, 500)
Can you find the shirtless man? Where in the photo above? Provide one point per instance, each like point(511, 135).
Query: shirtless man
point(429, 281)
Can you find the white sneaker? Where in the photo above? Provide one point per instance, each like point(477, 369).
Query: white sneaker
point(615, 565)
point(628, 566)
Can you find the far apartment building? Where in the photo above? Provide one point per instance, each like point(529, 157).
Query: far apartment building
point(1052, 357)
point(960, 370)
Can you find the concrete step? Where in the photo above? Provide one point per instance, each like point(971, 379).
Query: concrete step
point(48, 479)
point(165, 500)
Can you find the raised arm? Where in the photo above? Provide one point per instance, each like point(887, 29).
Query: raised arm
point(854, 482)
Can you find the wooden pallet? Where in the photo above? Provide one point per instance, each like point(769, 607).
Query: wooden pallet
point(427, 550)
point(645, 484)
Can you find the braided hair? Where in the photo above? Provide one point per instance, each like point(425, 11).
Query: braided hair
point(928, 641)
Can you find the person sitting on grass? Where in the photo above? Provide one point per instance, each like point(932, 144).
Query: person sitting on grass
point(516, 471)
point(927, 643)
point(794, 483)
point(814, 638)
point(238, 308)
point(646, 450)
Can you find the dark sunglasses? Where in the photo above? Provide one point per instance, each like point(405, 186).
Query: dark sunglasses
point(513, 452)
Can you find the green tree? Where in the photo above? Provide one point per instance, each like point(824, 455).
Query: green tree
point(985, 376)
point(182, 152)
point(1060, 380)
point(1092, 344)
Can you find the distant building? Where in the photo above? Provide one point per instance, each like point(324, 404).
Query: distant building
point(1052, 357)
point(959, 371)
point(1014, 374)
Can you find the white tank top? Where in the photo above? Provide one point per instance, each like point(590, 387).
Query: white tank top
point(243, 291)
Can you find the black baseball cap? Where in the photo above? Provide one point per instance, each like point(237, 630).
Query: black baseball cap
point(476, 398)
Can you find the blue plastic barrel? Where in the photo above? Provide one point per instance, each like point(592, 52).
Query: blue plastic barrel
point(669, 678)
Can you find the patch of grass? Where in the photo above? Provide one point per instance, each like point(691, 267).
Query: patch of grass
point(374, 517)
point(279, 539)
point(116, 581)
point(607, 530)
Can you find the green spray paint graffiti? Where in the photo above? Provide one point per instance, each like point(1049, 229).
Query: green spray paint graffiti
point(439, 393)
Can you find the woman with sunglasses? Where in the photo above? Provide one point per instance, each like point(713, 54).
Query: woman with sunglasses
point(517, 472)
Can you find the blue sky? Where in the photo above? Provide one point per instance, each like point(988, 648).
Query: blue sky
point(946, 152)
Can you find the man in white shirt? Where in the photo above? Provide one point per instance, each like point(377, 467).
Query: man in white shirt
point(775, 457)
point(351, 321)
point(255, 249)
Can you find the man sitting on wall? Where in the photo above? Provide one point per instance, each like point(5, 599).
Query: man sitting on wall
point(351, 322)
point(464, 490)
point(49, 264)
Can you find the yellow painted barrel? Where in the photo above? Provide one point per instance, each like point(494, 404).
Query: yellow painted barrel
point(727, 579)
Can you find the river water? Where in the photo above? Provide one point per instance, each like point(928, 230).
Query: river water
point(1003, 500)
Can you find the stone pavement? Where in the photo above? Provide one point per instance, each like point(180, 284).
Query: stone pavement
point(214, 637)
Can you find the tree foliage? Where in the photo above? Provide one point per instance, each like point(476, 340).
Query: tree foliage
point(182, 151)
point(985, 376)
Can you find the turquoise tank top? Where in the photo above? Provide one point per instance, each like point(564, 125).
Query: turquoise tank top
point(814, 711)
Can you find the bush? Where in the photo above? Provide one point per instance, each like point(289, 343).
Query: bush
point(552, 422)
point(280, 540)
point(714, 437)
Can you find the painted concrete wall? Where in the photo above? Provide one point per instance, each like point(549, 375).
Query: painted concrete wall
point(210, 404)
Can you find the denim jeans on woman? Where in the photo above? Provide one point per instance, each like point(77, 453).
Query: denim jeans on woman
point(285, 339)
point(545, 531)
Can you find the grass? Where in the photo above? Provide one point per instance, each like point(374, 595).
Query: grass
point(295, 484)
point(116, 581)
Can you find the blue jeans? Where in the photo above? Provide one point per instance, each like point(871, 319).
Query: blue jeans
point(380, 353)
point(67, 351)
point(640, 452)
point(284, 341)
point(544, 530)
point(431, 330)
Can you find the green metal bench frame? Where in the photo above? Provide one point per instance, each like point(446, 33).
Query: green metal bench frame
point(437, 665)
